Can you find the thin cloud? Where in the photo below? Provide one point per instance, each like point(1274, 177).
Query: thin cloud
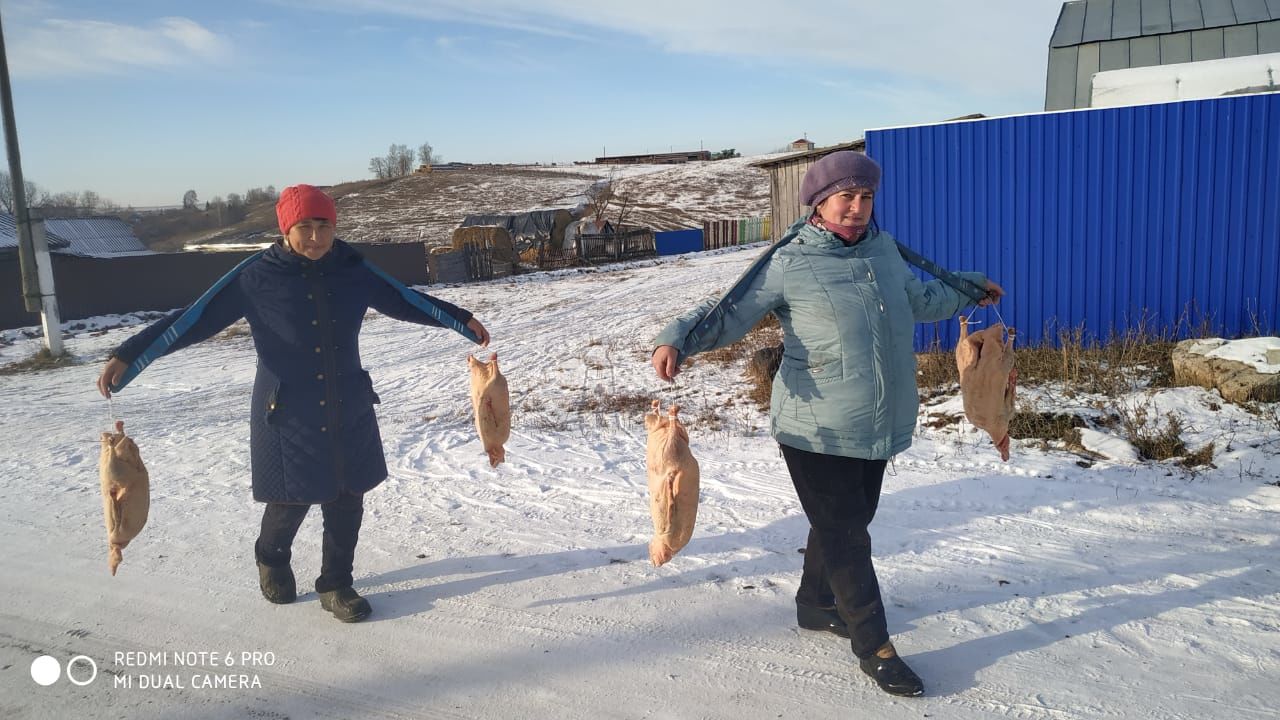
point(91, 47)
point(482, 54)
point(501, 14)
point(981, 47)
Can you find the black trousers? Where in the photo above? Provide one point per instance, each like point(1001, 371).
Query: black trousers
point(342, 519)
point(839, 496)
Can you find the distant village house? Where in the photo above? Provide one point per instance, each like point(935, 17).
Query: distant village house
point(671, 158)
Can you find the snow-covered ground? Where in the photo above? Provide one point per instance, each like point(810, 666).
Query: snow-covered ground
point(1052, 586)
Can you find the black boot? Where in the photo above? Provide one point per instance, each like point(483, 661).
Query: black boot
point(821, 619)
point(892, 675)
point(345, 604)
point(277, 584)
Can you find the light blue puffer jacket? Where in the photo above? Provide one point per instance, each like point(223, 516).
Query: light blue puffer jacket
point(847, 384)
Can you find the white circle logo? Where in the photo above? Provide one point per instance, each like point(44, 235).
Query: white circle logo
point(45, 670)
point(92, 675)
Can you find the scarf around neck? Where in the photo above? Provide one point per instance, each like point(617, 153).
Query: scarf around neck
point(850, 234)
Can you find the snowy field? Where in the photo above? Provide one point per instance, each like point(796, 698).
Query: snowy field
point(1048, 587)
point(430, 206)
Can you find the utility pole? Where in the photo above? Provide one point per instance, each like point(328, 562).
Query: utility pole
point(33, 248)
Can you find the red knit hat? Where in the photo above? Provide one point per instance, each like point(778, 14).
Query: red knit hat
point(299, 202)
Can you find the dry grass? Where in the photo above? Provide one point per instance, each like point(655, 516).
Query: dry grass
point(41, 361)
point(766, 332)
point(936, 374)
point(1155, 438)
point(1199, 458)
point(1137, 357)
point(762, 347)
point(1046, 426)
point(709, 419)
point(623, 402)
point(937, 421)
point(1267, 413)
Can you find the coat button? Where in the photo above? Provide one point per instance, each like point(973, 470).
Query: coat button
point(317, 348)
point(308, 296)
point(319, 376)
point(324, 429)
point(322, 403)
point(315, 322)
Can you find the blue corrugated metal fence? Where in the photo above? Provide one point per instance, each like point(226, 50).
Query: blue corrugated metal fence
point(1099, 218)
point(674, 242)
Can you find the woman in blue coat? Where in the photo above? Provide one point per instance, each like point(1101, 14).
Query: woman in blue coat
point(844, 399)
point(313, 433)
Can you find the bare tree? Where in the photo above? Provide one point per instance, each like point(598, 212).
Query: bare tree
point(34, 194)
point(216, 207)
point(599, 197)
point(6, 193)
point(236, 209)
point(623, 202)
point(189, 200)
point(90, 200)
point(607, 196)
point(399, 160)
point(258, 195)
point(426, 155)
point(63, 203)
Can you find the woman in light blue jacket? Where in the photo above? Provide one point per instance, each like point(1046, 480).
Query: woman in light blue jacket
point(844, 398)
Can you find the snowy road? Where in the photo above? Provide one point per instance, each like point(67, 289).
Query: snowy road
point(1036, 589)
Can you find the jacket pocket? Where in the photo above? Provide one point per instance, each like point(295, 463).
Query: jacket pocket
point(818, 373)
point(806, 387)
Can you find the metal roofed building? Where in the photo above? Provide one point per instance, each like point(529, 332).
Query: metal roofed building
point(101, 236)
point(9, 236)
point(1095, 36)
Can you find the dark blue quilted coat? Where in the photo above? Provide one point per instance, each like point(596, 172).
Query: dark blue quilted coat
point(312, 426)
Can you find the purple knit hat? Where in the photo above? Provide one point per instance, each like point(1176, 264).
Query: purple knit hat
point(838, 171)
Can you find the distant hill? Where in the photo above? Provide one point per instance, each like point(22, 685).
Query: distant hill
point(429, 206)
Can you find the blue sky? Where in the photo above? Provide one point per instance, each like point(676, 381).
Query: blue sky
point(142, 100)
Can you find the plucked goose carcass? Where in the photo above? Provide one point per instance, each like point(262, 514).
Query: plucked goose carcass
point(673, 483)
point(988, 380)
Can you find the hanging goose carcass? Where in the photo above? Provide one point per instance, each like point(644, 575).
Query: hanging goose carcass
point(673, 484)
point(492, 405)
point(126, 492)
point(988, 380)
